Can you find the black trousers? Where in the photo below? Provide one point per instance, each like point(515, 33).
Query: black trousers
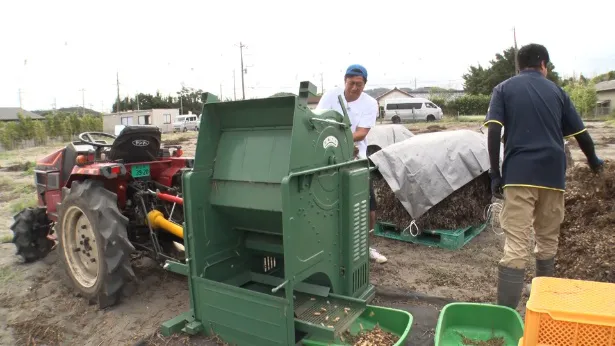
point(372, 197)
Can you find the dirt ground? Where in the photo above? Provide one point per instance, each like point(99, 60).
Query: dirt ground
point(37, 306)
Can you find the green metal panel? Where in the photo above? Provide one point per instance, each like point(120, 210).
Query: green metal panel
point(259, 155)
point(355, 209)
point(231, 313)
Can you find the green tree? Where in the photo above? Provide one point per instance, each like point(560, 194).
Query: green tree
point(583, 96)
point(282, 94)
point(479, 80)
point(39, 133)
point(59, 124)
point(187, 99)
point(604, 77)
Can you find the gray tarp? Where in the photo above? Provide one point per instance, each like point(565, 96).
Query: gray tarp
point(425, 169)
point(385, 135)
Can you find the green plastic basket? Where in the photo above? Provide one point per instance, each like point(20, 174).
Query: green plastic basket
point(479, 322)
point(391, 320)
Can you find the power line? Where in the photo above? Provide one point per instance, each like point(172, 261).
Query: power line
point(403, 83)
point(117, 76)
point(234, 89)
point(19, 93)
point(82, 101)
point(243, 71)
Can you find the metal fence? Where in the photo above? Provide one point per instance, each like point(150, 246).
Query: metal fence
point(32, 143)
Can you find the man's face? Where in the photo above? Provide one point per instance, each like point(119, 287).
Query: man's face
point(354, 86)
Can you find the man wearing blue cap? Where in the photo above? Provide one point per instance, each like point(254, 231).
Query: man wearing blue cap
point(362, 110)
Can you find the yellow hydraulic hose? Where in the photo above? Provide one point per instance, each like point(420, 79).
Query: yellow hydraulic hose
point(157, 220)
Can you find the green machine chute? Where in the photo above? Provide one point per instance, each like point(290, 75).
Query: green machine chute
point(276, 224)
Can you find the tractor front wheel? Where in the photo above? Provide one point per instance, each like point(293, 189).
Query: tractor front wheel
point(30, 231)
point(94, 244)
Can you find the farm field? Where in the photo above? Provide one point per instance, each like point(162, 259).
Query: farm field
point(37, 305)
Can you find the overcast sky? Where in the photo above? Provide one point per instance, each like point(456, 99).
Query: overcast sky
point(53, 49)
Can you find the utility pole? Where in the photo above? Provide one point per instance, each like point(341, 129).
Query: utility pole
point(137, 97)
point(234, 88)
point(322, 85)
point(516, 51)
point(19, 92)
point(243, 71)
point(54, 105)
point(118, 93)
point(82, 101)
point(414, 83)
point(220, 91)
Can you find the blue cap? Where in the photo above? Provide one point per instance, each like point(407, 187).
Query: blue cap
point(356, 70)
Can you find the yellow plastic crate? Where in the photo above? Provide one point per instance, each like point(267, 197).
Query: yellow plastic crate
point(563, 312)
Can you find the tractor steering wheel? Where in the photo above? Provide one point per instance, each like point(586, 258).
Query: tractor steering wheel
point(91, 141)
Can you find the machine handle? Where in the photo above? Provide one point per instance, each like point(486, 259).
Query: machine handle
point(275, 289)
point(341, 101)
point(167, 197)
point(329, 121)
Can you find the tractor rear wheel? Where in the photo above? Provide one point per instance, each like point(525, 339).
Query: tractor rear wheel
point(94, 244)
point(30, 231)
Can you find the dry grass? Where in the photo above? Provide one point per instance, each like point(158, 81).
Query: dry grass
point(7, 238)
point(156, 339)
point(22, 203)
point(168, 138)
point(5, 183)
point(36, 332)
point(7, 274)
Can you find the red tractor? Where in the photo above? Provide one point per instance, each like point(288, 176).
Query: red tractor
point(101, 202)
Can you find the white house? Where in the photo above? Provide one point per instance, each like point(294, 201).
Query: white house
point(163, 118)
point(391, 94)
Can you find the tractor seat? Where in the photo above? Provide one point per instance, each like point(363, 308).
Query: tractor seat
point(136, 144)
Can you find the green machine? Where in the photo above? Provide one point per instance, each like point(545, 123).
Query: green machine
point(276, 227)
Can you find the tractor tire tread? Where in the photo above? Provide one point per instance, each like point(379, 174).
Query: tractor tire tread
point(30, 229)
point(112, 225)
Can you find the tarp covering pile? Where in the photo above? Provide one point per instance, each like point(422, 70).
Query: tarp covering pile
point(382, 136)
point(434, 169)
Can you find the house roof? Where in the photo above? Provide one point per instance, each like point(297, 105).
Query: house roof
point(141, 111)
point(10, 114)
point(607, 85)
point(392, 90)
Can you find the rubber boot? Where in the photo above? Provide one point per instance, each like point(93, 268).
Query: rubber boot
point(543, 268)
point(510, 286)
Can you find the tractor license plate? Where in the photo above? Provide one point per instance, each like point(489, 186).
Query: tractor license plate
point(138, 171)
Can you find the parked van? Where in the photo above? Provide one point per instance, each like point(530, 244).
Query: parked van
point(186, 122)
point(411, 109)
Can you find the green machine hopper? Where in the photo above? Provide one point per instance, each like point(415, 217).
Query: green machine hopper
point(276, 227)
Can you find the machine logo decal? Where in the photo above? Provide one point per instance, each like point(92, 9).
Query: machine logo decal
point(330, 141)
point(140, 143)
